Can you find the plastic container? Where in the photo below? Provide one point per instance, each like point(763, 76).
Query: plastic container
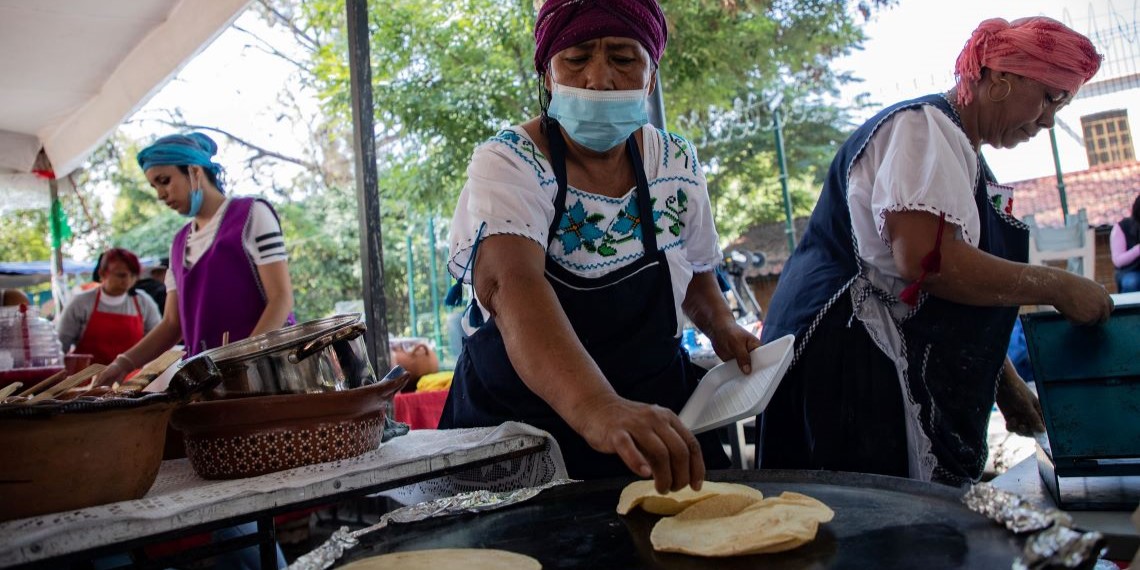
point(29, 339)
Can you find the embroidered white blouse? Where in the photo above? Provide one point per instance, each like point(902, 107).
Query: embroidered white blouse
point(918, 159)
point(511, 188)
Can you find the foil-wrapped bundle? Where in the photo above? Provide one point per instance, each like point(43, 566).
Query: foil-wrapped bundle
point(1060, 547)
point(1054, 546)
point(1012, 511)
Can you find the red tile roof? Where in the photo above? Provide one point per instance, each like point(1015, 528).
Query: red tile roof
point(1105, 192)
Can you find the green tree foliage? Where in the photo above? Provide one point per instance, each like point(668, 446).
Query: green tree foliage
point(448, 74)
point(26, 236)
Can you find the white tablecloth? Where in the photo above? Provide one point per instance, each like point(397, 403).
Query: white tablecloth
point(180, 499)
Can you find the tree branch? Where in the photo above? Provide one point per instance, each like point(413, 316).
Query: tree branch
point(261, 151)
point(288, 22)
point(268, 48)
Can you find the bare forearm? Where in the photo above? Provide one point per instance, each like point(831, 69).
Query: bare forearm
point(704, 304)
point(973, 277)
point(279, 297)
point(160, 339)
point(273, 317)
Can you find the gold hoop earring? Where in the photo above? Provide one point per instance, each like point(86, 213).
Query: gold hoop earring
point(1008, 90)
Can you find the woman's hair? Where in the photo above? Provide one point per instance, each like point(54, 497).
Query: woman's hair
point(1039, 48)
point(119, 254)
point(216, 178)
point(1136, 209)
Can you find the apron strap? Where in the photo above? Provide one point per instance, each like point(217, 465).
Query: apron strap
point(558, 163)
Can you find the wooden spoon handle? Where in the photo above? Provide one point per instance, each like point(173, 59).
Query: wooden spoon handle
point(71, 382)
point(9, 389)
point(44, 383)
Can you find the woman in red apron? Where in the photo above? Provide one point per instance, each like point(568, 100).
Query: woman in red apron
point(108, 320)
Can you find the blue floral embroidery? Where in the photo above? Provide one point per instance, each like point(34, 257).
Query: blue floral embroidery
point(577, 229)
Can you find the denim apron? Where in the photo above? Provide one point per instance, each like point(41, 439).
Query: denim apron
point(626, 320)
point(935, 364)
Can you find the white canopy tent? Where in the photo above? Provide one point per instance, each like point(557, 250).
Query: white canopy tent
point(73, 70)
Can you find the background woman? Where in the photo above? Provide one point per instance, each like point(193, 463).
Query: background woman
point(228, 274)
point(903, 292)
point(228, 270)
point(1124, 242)
point(588, 235)
point(112, 317)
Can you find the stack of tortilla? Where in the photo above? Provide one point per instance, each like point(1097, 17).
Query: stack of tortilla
point(726, 519)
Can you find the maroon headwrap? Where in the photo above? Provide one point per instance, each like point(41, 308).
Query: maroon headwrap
point(565, 23)
point(1039, 48)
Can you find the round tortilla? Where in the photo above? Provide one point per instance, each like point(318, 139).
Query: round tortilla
point(769, 525)
point(442, 558)
point(643, 493)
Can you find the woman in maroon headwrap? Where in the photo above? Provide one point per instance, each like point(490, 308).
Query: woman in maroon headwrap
point(904, 290)
point(594, 237)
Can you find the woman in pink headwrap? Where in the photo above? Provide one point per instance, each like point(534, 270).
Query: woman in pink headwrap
point(594, 237)
point(904, 290)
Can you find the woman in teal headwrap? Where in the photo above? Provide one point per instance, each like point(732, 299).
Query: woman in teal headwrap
point(228, 275)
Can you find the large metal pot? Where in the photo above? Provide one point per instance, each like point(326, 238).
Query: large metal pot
point(325, 355)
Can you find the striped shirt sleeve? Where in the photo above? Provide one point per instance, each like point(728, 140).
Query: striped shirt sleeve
point(264, 240)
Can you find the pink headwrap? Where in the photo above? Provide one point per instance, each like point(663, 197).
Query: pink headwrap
point(1039, 48)
point(566, 23)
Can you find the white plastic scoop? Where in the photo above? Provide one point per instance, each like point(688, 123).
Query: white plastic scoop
point(726, 394)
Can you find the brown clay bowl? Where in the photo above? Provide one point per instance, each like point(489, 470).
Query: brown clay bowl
point(71, 461)
point(245, 437)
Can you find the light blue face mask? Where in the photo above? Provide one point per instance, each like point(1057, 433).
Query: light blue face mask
point(598, 120)
point(195, 203)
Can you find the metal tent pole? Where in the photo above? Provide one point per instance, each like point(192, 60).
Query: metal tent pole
point(434, 286)
point(657, 104)
point(790, 229)
point(1060, 179)
point(367, 190)
point(411, 284)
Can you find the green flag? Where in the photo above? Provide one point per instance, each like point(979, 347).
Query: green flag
point(60, 229)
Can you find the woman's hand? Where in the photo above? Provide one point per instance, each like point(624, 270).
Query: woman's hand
point(1083, 301)
point(1018, 404)
point(649, 439)
point(114, 372)
point(733, 342)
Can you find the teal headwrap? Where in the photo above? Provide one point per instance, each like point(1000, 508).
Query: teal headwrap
point(194, 149)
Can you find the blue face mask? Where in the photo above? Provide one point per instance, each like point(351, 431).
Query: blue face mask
point(598, 120)
point(195, 203)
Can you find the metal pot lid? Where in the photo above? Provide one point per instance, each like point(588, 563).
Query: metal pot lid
point(280, 339)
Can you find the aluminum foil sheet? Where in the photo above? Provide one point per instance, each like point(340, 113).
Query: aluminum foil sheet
point(343, 539)
point(1055, 545)
point(1008, 509)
